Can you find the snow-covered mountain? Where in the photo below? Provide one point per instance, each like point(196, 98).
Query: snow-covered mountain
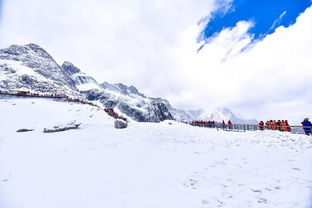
point(127, 100)
point(219, 114)
point(31, 68)
point(135, 105)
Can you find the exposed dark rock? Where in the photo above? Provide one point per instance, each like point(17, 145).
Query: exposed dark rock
point(24, 130)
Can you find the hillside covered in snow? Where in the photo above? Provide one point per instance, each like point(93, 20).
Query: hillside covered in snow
point(164, 165)
point(31, 68)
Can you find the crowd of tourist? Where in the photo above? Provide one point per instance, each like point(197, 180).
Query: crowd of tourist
point(280, 125)
point(112, 113)
point(212, 124)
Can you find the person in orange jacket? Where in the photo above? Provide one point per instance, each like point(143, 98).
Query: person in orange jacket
point(283, 125)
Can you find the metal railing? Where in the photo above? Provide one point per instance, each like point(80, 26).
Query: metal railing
point(295, 129)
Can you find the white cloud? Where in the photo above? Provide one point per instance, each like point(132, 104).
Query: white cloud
point(152, 45)
point(271, 80)
point(278, 21)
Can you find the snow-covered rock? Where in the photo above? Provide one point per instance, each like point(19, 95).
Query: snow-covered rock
point(62, 127)
point(120, 124)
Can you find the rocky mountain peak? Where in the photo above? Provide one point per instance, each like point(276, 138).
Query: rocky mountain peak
point(22, 52)
point(31, 67)
point(122, 88)
point(70, 68)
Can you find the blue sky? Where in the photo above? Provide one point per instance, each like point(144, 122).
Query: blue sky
point(266, 15)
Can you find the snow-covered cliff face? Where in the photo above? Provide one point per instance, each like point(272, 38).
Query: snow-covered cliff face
point(30, 67)
point(82, 81)
point(133, 104)
point(127, 100)
point(121, 88)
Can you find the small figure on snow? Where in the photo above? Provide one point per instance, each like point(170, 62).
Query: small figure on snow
point(230, 124)
point(261, 125)
point(307, 126)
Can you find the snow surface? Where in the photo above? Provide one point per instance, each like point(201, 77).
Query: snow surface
point(146, 165)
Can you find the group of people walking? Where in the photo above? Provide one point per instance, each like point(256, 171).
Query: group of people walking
point(112, 113)
point(212, 124)
point(280, 125)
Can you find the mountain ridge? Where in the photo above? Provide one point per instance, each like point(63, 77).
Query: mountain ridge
point(30, 67)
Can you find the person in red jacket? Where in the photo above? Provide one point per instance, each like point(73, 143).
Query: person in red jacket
point(261, 125)
point(213, 123)
point(287, 126)
point(230, 124)
point(274, 124)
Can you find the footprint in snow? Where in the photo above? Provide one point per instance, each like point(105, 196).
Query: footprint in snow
point(257, 191)
point(262, 200)
point(205, 201)
point(191, 183)
point(268, 189)
point(298, 169)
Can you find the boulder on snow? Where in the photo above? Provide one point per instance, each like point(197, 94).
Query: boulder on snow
point(120, 124)
point(62, 127)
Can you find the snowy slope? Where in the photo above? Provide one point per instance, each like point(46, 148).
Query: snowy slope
point(146, 165)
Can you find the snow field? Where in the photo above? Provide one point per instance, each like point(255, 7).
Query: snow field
point(145, 165)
